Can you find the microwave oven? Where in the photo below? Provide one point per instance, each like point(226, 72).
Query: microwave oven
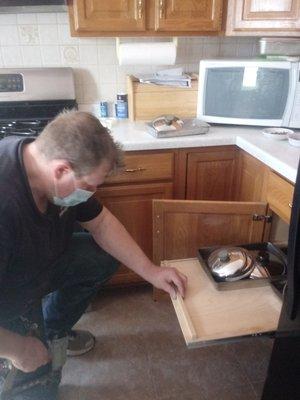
point(249, 92)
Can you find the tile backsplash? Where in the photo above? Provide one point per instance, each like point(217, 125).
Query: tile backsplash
point(44, 40)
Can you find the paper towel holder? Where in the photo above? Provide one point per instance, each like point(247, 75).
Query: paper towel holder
point(174, 40)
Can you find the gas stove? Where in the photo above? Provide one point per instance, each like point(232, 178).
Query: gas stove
point(22, 128)
point(31, 97)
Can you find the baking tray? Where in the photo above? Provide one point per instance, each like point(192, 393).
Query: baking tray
point(277, 256)
point(191, 126)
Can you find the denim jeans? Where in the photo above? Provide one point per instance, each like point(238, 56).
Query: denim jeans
point(75, 279)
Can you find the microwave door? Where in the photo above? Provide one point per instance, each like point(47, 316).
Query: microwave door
point(244, 93)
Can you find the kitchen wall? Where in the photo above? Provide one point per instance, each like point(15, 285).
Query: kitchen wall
point(44, 40)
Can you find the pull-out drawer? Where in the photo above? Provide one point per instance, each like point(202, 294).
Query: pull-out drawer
point(207, 316)
point(280, 196)
point(145, 167)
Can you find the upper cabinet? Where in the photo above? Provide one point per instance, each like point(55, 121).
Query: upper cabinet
point(263, 17)
point(107, 15)
point(188, 15)
point(144, 17)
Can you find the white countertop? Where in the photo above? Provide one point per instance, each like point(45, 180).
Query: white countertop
point(278, 155)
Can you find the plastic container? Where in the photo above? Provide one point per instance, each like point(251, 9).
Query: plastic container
point(122, 105)
point(103, 109)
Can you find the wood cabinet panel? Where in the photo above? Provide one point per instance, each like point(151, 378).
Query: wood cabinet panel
point(107, 15)
point(144, 167)
point(132, 205)
point(208, 316)
point(180, 227)
point(280, 196)
point(263, 17)
point(188, 15)
point(211, 174)
point(252, 178)
point(144, 17)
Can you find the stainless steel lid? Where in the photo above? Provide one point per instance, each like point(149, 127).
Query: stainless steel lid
point(230, 264)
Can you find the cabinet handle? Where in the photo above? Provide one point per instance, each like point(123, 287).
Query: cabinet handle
point(290, 205)
point(140, 7)
point(161, 9)
point(135, 169)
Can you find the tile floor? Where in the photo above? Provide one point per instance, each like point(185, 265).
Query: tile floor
point(140, 354)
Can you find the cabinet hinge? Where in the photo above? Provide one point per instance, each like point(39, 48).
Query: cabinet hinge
point(266, 218)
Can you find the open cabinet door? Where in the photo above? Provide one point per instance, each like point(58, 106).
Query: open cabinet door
point(181, 227)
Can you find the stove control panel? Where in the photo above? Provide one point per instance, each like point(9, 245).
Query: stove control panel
point(11, 83)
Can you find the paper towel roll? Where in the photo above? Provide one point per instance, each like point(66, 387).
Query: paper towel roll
point(159, 53)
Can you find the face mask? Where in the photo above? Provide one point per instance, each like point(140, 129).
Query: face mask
point(76, 197)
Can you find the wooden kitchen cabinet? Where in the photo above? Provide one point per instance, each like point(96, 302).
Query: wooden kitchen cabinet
point(211, 173)
point(128, 195)
point(252, 176)
point(144, 17)
point(263, 18)
point(188, 15)
point(280, 196)
point(107, 15)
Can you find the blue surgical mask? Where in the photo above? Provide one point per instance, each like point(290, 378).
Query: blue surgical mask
point(74, 198)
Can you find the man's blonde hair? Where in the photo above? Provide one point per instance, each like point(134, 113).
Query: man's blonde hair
point(79, 138)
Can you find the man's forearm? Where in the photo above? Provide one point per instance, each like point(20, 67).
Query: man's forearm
point(10, 344)
point(114, 238)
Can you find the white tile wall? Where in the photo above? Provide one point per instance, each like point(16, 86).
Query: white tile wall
point(34, 40)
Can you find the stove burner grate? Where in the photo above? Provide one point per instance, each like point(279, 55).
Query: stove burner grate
point(22, 127)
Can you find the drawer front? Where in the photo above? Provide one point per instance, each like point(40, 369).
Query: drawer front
point(280, 196)
point(145, 167)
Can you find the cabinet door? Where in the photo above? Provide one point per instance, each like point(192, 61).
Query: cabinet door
point(180, 227)
point(252, 180)
point(188, 15)
point(211, 175)
point(280, 196)
point(260, 17)
point(132, 205)
point(107, 15)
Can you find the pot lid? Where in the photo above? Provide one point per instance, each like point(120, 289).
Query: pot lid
point(230, 263)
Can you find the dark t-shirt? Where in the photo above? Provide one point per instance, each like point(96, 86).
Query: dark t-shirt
point(30, 241)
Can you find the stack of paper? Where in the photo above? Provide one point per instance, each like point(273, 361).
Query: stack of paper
point(170, 77)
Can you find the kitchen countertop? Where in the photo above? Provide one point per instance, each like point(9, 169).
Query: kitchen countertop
point(278, 155)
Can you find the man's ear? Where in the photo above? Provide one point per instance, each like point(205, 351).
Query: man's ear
point(61, 167)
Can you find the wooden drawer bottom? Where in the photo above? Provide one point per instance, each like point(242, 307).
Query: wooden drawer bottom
point(208, 316)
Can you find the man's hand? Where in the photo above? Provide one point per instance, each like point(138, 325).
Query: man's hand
point(33, 355)
point(170, 280)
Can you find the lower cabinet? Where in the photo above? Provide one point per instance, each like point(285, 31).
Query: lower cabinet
point(211, 173)
point(226, 197)
point(252, 176)
point(280, 196)
point(132, 205)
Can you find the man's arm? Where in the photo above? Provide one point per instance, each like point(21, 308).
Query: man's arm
point(112, 237)
point(26, 353)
